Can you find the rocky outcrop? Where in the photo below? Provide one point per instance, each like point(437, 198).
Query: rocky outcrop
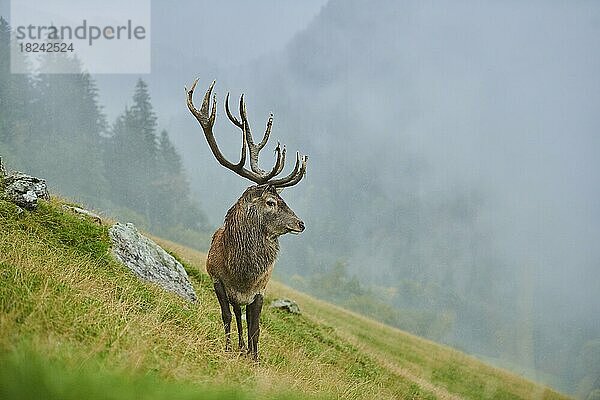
point(141, 255)
point(24, 190)
point(149, 261)
point(286, 304)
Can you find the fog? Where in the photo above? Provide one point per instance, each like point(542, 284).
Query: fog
point(451, 146)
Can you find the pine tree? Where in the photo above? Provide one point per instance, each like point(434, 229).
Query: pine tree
point(171, 161)
point(68, 130)
point(144, 129)
point(131, 155)
point(175, 205)
point(118, 150)
point(143, 112)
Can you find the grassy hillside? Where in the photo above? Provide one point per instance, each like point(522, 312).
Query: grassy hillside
point(76, 324)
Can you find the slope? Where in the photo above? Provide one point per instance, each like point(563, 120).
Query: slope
point(74, 323)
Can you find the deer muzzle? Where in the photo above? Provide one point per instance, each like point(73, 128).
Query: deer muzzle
point(297, 228)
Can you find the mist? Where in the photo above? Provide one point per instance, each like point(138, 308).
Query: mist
point(453, 151)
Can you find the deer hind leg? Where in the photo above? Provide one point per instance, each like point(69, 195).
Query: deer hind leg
point(237, 311)
point(253, 311)
point(225, 311)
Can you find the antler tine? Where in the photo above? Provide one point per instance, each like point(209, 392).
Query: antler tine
point(298, 177)
point(244, 125)
point(279, 164)
point(190, 102)
point(265, 138)
point(207, 121)
point(206, 102)
point(254, 149)
point(231, 117)
point(237, 123)
point(295, 176)
point(282, 162)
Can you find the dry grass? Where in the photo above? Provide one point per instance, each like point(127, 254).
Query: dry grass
point(64, 297)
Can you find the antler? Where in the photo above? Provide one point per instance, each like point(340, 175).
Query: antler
point(255, 174)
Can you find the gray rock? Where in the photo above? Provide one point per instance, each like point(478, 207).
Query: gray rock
point(149, 261)
point(287, 305)
point(25, 190)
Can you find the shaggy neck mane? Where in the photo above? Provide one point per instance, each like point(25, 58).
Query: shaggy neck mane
point(249, 250)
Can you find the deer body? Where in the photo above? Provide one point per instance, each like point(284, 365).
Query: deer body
point(241, 283)
point(243, 251)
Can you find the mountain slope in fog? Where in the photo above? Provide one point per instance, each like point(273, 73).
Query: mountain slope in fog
point(450, 160)
point(452, 165)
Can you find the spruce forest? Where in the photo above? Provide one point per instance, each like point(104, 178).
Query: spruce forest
point(52, 125)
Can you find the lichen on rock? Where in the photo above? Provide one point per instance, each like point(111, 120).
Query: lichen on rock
point(149, 261)
point(286, 304)
point(25, 190)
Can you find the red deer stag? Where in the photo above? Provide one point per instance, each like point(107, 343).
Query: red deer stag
point(243, 251)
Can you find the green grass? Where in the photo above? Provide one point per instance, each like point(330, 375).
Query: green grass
point(76, 324)
point(26, 375)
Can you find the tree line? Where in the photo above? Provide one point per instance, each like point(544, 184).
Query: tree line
point(53, 126)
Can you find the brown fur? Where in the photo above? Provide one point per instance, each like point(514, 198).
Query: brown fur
point(243, 251)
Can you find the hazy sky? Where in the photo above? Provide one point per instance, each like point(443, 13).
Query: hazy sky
point(210, 34)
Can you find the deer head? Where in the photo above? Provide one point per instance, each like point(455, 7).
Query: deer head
point(261, 207)
point(260, 203)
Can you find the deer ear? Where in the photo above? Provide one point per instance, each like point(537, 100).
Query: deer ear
point(279, 190)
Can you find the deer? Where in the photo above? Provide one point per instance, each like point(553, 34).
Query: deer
point(243, 251)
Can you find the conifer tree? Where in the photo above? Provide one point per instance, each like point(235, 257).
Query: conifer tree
point(141, 126)
point(171, 161)
point(121, 172)
point(68, 130)
point(131, 156)
point(145, 118)
point(175, 203)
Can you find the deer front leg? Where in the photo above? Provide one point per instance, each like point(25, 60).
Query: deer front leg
point(253, 311)
point(237, 311)
point(225, 311)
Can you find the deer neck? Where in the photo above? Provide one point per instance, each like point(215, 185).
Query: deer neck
point(249, 249)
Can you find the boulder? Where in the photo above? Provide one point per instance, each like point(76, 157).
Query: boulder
point(286, 304)
point(149, 261)
point(25, 190)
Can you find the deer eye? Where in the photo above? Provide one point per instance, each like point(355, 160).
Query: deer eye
point(271, 203)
